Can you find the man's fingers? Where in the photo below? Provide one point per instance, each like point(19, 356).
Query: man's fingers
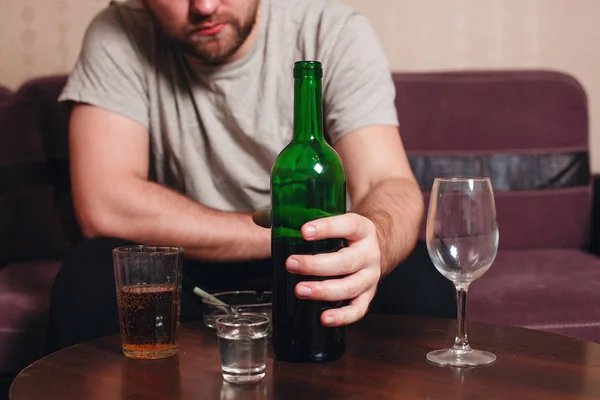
point(262, 217)
point(337, 289)
point(348, 314)
point(350, 226)
point(342, 262)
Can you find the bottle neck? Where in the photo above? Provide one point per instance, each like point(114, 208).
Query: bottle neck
point(308, 109)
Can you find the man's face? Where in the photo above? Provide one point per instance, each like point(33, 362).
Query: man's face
point(210, 30)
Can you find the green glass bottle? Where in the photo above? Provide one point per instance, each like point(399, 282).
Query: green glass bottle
point(307, 182)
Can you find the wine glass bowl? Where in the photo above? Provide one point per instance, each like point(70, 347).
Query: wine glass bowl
point(462, 241)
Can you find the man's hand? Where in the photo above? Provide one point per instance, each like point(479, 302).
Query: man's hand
point(359, 263)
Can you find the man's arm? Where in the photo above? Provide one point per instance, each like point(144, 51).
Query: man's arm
point(382, 188)
point(113, 197)
point(362, 120)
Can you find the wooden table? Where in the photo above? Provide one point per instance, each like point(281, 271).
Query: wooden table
point(385, 360)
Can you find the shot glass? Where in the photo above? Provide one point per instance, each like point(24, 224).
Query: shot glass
point(243, 301)
point(148, 283)
point(243, 343)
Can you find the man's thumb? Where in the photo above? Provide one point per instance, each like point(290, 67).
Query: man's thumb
point(262, 217)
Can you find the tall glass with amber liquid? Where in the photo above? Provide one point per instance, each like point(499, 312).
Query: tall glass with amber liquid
point(307, 182)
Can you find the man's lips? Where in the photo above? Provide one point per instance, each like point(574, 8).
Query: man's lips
point(209, 30)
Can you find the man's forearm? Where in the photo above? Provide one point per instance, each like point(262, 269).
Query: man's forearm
point(145, 212)
point(396, 208)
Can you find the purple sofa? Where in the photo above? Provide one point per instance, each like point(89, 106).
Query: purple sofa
point(528, 130)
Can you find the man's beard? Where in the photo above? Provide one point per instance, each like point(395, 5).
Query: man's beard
point(217, 49)
point(212, 50)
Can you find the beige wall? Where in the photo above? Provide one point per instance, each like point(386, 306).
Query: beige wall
point(561, 35)
point(43, 37)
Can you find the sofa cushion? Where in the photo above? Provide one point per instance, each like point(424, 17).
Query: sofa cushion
point(540, 219)
point(556, 290)
point(25, 290)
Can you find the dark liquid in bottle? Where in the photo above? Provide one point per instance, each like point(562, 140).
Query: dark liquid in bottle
point(298, 334)
point(148, 317)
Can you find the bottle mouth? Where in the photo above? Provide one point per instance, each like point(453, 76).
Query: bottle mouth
point(312, 69)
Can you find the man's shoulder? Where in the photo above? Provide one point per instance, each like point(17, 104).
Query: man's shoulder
point(125, 19)
point(313, 29)
point(327, 14)
point(125, 11)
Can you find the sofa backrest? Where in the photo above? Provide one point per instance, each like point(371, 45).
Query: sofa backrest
point(4, 93)
point(526, 130)
point(36, 214)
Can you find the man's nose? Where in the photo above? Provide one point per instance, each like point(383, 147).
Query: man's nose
point(204, 7)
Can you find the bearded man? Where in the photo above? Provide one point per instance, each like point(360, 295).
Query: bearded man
point(179, 109)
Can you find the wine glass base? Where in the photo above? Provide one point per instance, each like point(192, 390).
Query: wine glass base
point(461, 358)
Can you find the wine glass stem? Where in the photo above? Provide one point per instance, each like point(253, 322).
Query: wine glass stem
point(461, 343)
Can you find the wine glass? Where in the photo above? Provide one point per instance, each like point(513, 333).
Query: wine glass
point(462, 241)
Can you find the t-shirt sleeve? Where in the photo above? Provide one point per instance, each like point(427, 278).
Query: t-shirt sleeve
point(358, 86)
point(109, 73)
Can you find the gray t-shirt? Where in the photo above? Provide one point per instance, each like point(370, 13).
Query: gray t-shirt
point(215, 134)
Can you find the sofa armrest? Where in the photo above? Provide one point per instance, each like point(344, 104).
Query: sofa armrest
point(595, 225)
